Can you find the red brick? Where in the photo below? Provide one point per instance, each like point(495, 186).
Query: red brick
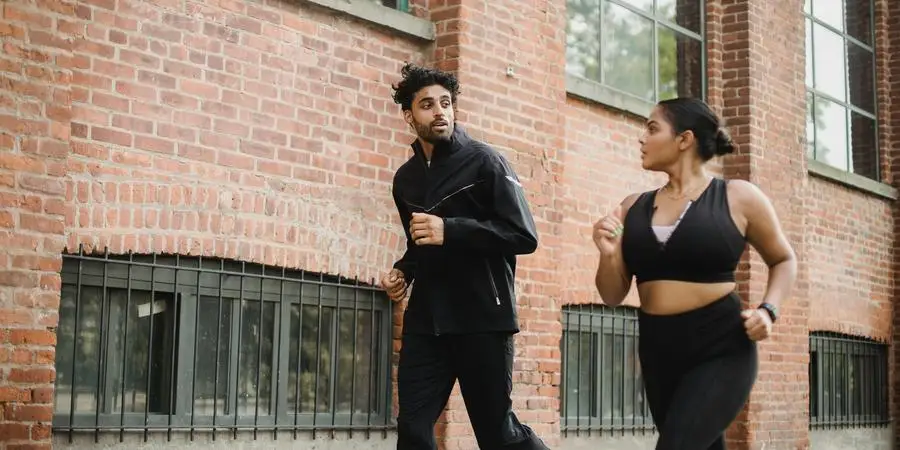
point(32, 337)
point(13, 431)
point(29, 446)
point(28, 413)
point(31, 376)
point(11, 394)
point(16, 316)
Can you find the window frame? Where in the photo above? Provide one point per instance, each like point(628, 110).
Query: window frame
point(402, 5)
point(180, 416)
point(604, 322)
point(606, 94)
point(810, 20)
point(847, 347)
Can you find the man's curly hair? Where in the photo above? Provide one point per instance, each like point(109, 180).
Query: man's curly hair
point(416, 78)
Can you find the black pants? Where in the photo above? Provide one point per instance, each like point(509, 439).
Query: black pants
point(698, 369)
point(430, 365)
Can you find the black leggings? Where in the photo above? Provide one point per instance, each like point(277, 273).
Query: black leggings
point(698, 369)
point(429, 367)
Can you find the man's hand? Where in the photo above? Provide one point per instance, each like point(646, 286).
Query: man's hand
point(426, 229)
point(395, 285)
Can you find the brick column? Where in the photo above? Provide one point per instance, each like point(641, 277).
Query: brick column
point(519, 113)
point(887, 40)
point(764, 107)
point(34, 134)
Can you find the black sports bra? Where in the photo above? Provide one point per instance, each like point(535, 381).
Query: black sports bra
point(704, 247)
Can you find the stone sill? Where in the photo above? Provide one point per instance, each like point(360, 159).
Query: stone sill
point(394, 20)
point(596, 92)
point(852, 180)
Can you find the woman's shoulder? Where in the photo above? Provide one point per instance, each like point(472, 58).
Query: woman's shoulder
point(744, 194)
point(634, 198)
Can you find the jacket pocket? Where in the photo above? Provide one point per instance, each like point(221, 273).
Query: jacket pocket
point(490, 274)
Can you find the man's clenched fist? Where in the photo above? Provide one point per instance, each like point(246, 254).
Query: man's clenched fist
point(395, 285)
point(426, 229)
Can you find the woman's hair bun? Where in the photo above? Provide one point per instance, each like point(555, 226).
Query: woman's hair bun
point(724, 144)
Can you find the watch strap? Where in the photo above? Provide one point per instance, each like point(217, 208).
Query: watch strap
point(771, 309)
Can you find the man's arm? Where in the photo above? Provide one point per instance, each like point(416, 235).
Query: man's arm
point(511, 230)
point(407, 262)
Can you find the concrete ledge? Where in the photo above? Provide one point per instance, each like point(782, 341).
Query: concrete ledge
point(859, 182)
point(596, 92)
point(372, 12)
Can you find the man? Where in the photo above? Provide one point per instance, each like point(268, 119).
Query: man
point(466, 218)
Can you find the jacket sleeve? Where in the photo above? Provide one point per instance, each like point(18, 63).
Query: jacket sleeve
point(407, 262)
point(511, 230)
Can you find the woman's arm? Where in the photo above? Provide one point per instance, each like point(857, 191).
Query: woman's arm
point(764, 233)
point(613, 280)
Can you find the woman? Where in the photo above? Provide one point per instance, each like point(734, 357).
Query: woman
point(682, 243)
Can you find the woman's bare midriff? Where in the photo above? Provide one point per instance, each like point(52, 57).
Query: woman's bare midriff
point(673, 297)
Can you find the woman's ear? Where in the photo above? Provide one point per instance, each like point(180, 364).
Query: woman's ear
point(685, 140)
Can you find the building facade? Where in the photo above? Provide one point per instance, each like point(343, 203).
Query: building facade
point(196, 203)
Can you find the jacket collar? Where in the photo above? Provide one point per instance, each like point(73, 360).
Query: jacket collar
point(459, 139)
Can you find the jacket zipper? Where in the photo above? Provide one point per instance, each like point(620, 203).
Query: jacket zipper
point(448, 196)
point(493, 285)
point(428, 210)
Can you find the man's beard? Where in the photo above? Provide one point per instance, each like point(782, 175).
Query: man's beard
point(430, 135)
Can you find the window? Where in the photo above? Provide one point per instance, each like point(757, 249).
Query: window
point(848, 381)
point(841, 122)
point(170, 342)
point(602, 389)
point(651, 50)
point(401, 5)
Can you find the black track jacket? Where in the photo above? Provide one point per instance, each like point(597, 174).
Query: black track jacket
point(467, 284)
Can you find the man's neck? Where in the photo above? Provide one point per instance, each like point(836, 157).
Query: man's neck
point(427, 149)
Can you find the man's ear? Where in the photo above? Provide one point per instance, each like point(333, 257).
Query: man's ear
point(408, 117)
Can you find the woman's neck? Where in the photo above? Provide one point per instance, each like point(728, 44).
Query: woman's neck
point(686, 180)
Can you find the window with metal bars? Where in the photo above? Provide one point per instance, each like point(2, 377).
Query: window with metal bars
point(602, 390)
point(848, 381)
point(152, 342)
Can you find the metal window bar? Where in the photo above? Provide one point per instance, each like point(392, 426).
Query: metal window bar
point(141, 327)
point(848, 377)
point(601, 392)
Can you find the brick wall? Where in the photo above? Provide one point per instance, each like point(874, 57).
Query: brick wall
point(766, 119)
point(520, 115)
point(34, 133)
point(887, 39)
point(264, 131)
point(260, 132)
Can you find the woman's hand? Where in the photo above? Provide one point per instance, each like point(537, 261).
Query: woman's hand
point(757, 323)
point(608, 232)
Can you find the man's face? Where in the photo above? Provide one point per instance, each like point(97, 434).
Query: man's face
point(432, 114)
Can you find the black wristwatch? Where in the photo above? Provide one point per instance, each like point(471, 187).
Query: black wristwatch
point(771, 310)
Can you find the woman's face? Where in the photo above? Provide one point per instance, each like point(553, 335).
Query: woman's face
point(660, 147)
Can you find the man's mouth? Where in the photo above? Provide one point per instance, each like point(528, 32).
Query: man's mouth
point(440, 126)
